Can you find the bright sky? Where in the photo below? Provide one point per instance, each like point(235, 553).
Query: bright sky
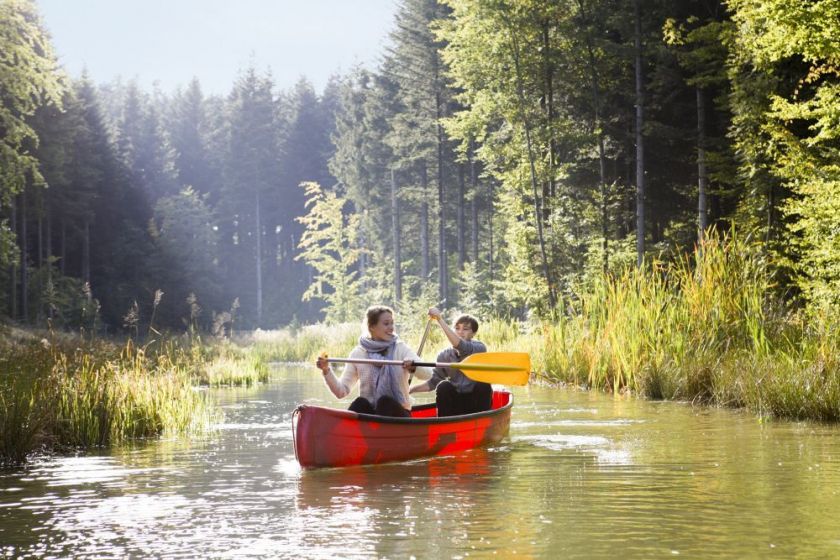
point(170, 41)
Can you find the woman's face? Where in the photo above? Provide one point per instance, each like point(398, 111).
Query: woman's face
point(384, 328)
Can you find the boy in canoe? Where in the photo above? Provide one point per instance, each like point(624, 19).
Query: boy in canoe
point(456, 393)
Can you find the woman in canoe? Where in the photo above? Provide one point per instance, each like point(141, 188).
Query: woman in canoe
point(383, 389)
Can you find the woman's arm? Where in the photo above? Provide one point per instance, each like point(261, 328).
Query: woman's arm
point(339, 387)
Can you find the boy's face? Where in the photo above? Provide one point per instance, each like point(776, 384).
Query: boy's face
point(464, 330)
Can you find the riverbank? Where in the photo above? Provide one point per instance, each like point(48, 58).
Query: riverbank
point(60, 392)
point(706, 329)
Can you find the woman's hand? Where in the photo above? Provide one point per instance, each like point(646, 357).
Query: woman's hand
point(323, 365)
point(409, 365)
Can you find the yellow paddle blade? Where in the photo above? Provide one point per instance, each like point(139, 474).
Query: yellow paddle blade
point(504, 368)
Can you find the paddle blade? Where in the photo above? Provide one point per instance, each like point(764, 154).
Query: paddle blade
point(504, 368)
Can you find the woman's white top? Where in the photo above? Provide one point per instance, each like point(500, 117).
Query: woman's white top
point(366, 375)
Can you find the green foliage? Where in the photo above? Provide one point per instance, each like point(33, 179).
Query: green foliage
point(525, 107)
point(28, 79)
point(330, 246)
point(793, 47)
point(61, 300)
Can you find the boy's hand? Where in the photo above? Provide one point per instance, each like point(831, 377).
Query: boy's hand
point(434, 313)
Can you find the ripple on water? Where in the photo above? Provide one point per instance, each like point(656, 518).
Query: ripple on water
point(561, 442)
point(582, 423)
point(72, 471)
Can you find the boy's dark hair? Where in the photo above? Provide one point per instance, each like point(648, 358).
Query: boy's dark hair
point(469, 319)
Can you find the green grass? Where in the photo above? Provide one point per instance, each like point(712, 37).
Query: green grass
point(302, 344)
point(60, 392)
point(707, 329)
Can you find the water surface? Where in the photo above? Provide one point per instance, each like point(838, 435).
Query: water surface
point(582, 475)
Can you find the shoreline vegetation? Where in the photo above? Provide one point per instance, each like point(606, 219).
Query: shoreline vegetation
point(61, 392)
point(709, 329)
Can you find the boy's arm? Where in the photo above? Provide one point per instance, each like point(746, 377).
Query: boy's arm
point(430, 385)
point(422, 388)
point(454, 339)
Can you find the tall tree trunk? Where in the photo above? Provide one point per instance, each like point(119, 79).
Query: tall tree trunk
point(443, 273)
point(395, 225)
point(443, 276)
point(424, 221)
point(13, 297)
point(86, 252)
point(490, 212)
point(602, 172)
point(640, 148)
point(462, 245)
point(549, 187)
point(259, 258)
point(702, 175)
point(363, 246)
point(48, 235)
point(537, 203)
point(24, 258)
point(474, 210)
point(40, 238)
point(63, 247)
point(40, 288)
point(49, 240)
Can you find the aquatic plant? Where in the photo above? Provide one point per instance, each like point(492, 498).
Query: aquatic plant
point(706, 328)
point(63, 392)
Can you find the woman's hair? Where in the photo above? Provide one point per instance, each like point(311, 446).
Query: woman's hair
point(374, 312)
point(469, 320)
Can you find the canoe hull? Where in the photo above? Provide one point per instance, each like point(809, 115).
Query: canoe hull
point(327, 437)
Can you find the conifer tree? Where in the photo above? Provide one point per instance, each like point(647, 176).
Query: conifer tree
point(251, 176)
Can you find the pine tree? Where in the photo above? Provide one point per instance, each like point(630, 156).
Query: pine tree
point(189, 129)
point(251, 176)
point(29, 79)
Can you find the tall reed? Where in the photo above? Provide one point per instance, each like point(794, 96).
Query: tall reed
point(56, 395)
point(705, 328)
point(302, 344)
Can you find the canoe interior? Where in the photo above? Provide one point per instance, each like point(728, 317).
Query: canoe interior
point(327, 437)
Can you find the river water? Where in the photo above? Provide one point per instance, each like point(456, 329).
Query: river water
point(581, 475)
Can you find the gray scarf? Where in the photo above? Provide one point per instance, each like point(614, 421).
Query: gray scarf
point(387, 377)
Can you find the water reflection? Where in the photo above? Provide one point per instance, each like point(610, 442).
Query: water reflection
point(466, 473)
point(393, 508)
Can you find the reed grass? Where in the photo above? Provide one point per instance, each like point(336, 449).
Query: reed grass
point(708, 328)
point(60, 392)
point(301, 344)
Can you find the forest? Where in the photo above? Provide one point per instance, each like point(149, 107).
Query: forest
point(501, 157)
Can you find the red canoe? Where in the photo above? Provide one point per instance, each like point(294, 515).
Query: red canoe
point(327, 437)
